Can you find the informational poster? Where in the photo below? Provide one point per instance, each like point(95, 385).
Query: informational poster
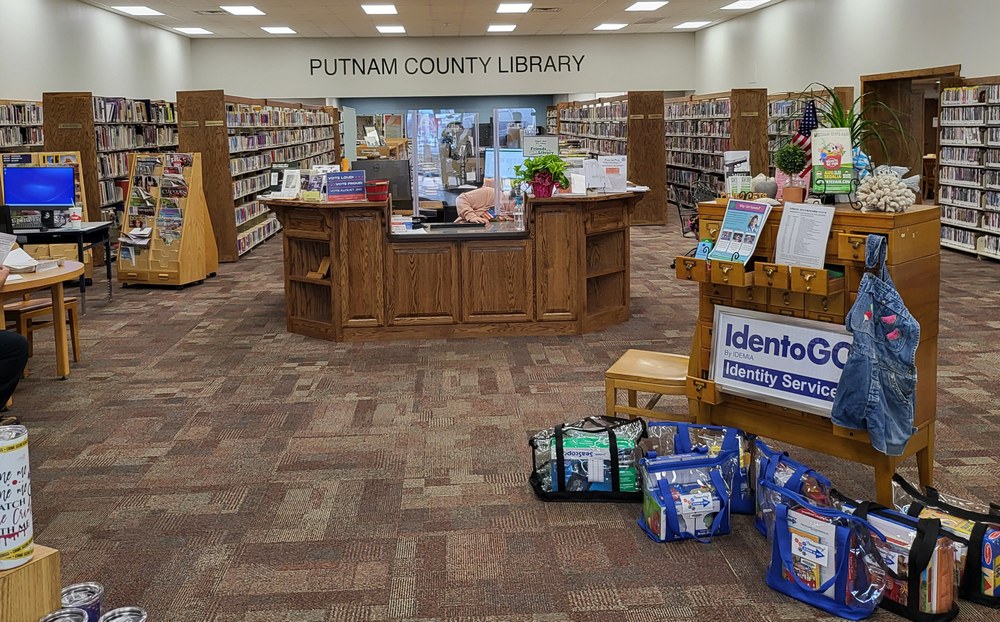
point(345, 186)
point(833, 160)
point(615, 168)
point(737, 167)
point(534, 146)
point(803, 234)
point(741, 229)
point(780, 360)
point(392, 125)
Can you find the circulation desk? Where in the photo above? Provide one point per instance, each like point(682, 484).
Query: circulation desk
point(349, 278)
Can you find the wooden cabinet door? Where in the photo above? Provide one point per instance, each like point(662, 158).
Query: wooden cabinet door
point(422, 283)
point(362, 295)
point(496, 281)
point(557, 264)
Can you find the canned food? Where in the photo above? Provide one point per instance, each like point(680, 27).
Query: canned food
point(86, 596)
point(66, 615)
point(125, 614)
point(16, 542)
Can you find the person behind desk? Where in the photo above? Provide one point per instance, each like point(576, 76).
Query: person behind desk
point(13, 358)
point(476, 206)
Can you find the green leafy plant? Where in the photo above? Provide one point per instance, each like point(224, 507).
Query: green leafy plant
point(542, 169)
point(790, 159)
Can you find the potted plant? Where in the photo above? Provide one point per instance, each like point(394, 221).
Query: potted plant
point(790, 159)
point(542, 174)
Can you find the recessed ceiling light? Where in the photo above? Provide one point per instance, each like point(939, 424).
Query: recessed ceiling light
point(137, 10)
point(691, 25)
point(514, 7)
point(501, 28)
point(278, 30)
point(742, 5)
point(391, 30)
point(646, 6)
point(611, 26)
point(194, 31)
point(379, 9)
point(242, 9)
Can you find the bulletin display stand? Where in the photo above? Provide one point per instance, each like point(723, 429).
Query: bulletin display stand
point(914, 264)
point(51, 158)
point(166, 194)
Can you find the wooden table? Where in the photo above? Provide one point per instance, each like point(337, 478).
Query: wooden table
point(49, 279)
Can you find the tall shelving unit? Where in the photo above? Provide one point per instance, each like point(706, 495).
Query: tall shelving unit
point(629, 125)
point(784, 111)
point(21, 125)
point(552, 120)
point(969, 165)
point(699, 129)
point(239, 138)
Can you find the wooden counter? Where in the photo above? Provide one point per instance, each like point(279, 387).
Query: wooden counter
point(348, 279)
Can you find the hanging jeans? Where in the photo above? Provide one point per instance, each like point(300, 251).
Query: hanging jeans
point(876, 390)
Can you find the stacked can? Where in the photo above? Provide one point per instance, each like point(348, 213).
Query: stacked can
point(125, 614)
point(86, 596)
point(16, 538)
point(66, 615)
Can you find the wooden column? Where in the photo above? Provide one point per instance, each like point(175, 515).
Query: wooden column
point(647, 155)
point(748, 131)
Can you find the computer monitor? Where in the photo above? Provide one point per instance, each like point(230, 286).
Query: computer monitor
point(396, 171)
point(6, 226)
point(508, 159)
point(39, 187)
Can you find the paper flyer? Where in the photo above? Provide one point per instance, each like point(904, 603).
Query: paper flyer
point(833, 160)
point(615, 168)
point(741, 229)
point(803, 234)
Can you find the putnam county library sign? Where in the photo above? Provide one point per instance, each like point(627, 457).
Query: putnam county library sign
point(446, 65)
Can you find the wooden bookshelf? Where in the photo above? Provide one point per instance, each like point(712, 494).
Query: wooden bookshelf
point(630, 125)
point(239, 138)
point(21, 125)
point(784, 111)
point(166, 194)
point(552, 120)
point(969, 165)
point(699, 129)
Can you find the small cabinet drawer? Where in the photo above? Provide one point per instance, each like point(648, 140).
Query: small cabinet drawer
point(731, 273)
point(833, 244)
point(786, 312)
point(692, 269)
point(606, 218)
point(705, 334)
point(815, 281)
point(717, 291)
point(851, 246)
point(753, 294)
point(772, 275)
point(825, 317)
point(709, 229)
point(707, 304)
point(832, 304)
point(786, 299)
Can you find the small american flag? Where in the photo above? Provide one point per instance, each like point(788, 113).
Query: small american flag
point(804, 138)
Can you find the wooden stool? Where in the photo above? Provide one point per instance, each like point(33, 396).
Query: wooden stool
point(650, 372)
point(30, 315)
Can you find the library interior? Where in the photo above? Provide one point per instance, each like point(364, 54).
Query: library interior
point(308, 305)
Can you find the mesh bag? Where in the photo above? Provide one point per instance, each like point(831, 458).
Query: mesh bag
point(778, 468)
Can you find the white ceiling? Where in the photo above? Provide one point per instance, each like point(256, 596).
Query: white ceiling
point(425, 18)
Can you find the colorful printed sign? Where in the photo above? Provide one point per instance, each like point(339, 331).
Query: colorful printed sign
point(741, 229)
point(791, 362)
point(345, 186)
point(833, 160)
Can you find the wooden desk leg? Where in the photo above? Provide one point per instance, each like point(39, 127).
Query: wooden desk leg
point(610, 397)
point(632, 398)
point(925, 460)
point(885, 467)
point(59, 324)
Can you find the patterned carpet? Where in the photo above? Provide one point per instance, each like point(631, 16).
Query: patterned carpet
point(207, 465)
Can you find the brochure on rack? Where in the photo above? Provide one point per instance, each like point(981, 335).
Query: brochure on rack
point(741, 229)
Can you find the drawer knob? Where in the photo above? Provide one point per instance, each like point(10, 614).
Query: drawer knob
point(856, 243)
point(808, 277)
point(826, 304)
point(725, 271)
point(786, 298)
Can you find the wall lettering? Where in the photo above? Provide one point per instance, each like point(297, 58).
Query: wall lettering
point(446, 65)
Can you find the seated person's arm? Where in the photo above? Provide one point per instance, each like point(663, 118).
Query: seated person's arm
point(473, 206)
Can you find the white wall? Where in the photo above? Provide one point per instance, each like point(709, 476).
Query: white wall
point(281, 67)
point(789, 45)
point(65, 45)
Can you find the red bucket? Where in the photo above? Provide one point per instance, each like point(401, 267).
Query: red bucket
point(377, 190)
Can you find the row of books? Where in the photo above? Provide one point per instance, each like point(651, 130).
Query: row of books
point(703, 145)
point(962, 237)
point(123, 110)
point(163, 112)
point(962, 136)
point(112, 165)
point(968, 95)
point(961, 175)
point(21, 113)
point(786, 108)
point(111, 191)
point(991, 221)
point(783, 126)
point(696, 110)
point(276, 138)
point(960, 214)
point(685, 177)
point(609, 111)
point(972, 115)
point(254, 236)
point(247, 115)
point(248, 164)
point(118, 137)
point(991, 244)
point(991, 201)
point(21, 137)
point(718, 128)
point(968, 155)
point(964, 197)
point(245, 212)
point(305, 154)
point(246, 186)
point(711, 163)
point(600, 130)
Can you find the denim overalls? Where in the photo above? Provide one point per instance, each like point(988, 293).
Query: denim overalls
point(876, 390)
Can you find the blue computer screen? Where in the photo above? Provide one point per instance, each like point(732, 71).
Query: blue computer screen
point(38, 186)
point(508, 158)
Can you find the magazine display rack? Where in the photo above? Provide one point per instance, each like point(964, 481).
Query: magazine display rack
point(167, 197)
point(914, 263)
